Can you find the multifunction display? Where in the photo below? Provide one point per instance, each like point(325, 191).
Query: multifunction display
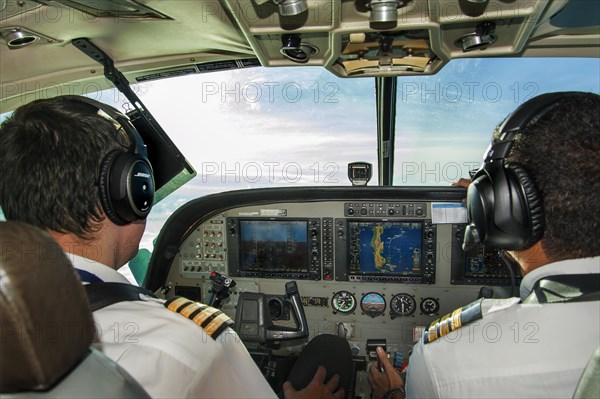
point(274, 248)
point(385, 250)
point(388, 248)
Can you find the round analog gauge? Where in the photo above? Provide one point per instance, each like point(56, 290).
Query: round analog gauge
point(343, 302)
point(430, 306)
point(372, 304)
point(402, 305)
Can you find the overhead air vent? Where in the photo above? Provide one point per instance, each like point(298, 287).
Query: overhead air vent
point(291, 7)
point(128, 9)
point(296, 50)
point(481, 38)
point(287, 8)
point(384, 13)
point(16, 37)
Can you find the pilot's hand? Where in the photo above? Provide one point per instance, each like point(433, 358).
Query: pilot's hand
point(462, 182)
point(383, 382)
point(317, 389)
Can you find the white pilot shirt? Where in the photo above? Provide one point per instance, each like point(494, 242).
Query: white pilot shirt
point(516, 350)
point(169, 355)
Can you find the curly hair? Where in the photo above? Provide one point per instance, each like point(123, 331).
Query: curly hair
point(50, 154)
point(561, 152)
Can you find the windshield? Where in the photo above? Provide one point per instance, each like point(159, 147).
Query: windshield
point(295, 126)
point(261, 127)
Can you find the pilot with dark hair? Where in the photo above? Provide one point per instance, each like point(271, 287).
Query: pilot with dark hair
point(77, 169)
point(535, 197)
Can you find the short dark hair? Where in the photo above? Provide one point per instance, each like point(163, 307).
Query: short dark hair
point(50, 154)
point(561, 152)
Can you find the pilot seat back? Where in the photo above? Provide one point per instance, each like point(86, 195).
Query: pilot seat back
point(47, 326)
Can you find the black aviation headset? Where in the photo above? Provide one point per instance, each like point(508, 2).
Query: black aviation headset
point(125, 178)
point(504, 207)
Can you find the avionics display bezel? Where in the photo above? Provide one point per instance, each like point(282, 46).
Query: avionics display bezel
point(309, 251)
point(426, 244)
point(459, 274)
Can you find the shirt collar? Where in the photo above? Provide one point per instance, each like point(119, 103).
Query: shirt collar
point(569, 266)
point(103, 272)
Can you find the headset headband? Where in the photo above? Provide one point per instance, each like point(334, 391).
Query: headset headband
point(533, 109)
point(118, 119)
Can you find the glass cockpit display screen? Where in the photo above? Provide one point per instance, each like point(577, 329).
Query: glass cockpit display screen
point(275, 246)
point(378, 248)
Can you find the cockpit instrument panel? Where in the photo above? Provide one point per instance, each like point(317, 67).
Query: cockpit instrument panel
point(376, 242)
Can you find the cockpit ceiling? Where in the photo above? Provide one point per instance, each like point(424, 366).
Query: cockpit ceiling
point(150, 36)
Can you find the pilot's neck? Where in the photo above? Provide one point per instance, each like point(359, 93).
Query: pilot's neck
point(531, 258)
point(103, 247)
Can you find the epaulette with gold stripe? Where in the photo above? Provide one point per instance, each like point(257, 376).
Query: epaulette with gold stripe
point(212, 320)
point(453, 321)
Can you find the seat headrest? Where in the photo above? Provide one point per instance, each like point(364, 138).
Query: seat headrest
point(45, 319)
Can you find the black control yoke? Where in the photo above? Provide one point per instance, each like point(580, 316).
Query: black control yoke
point(253, 318)
point(301, 330)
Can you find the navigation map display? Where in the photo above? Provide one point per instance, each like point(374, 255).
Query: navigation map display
point(274, 246)
point(392, 248)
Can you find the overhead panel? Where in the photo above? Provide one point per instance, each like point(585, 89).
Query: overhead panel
point(362, 38)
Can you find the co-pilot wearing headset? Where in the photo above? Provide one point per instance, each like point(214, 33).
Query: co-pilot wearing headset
point(535, 197)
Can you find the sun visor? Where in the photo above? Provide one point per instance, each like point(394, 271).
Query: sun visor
point(171, 169)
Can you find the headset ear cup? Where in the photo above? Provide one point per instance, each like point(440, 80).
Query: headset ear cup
point(126, 187)
point(534, 203)
point(104, 183)
point(480, 197)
